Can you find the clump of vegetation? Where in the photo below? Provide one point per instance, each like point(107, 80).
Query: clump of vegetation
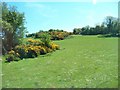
point(45, 38)
point(12, 56)
point(33, 42)
point(32, 49)
point(13, 28)
point(54, 34)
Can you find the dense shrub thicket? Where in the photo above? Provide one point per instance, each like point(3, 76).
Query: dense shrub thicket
point(32, 49)
point(54, 34)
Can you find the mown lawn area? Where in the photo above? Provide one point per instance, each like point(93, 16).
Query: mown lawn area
point(82, 62)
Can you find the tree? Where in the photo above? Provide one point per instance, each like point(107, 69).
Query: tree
point(118, 28)
point(92, 31)
point(112, 25)
point(109, 22)
point(6, 30)
point(85, 30)
point(76, 31)
point(103, 28)
point(13, 26)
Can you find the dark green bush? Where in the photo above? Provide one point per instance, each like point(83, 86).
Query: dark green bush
point(45, 38)
point(12, 57)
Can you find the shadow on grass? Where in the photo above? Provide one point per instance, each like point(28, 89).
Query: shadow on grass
point(45, 55)
point(11, 61)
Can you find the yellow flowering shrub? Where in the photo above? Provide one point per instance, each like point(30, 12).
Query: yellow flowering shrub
point(11, 52)
point(48, 50)
point(12, 56)
point(54, 46)
point(34, 42)
point(43, 51)
point(57, 35)
point(31, 50)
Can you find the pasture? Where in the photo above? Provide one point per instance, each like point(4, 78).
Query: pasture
point(81, 62)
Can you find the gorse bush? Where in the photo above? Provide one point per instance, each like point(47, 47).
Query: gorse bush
point(12, 56)
point(34, 42)
point(32, 49)
point(45, 38)
point(22, 50)
point(55, 35)
point(54, 46)
point(52, 34)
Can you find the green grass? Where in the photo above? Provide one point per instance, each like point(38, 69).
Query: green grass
point(83, 61)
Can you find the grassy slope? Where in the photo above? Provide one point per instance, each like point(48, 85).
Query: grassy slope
point(83, 61)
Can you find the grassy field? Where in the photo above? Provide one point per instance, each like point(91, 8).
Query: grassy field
point(82, 61)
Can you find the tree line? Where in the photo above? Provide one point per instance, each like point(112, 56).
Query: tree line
point(109, 27)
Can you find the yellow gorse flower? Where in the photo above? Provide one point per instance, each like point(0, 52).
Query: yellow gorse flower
point(11, 52)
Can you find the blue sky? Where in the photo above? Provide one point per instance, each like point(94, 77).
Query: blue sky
point(64, 15)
